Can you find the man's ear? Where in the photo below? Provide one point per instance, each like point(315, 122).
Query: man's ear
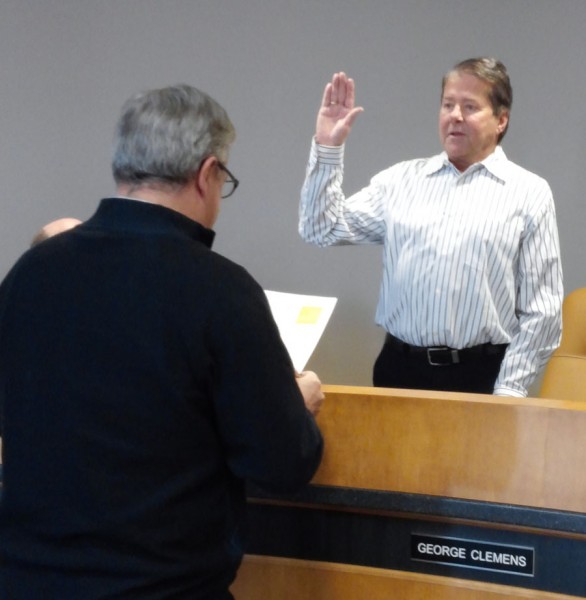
point(205, 175)
point(503, 121)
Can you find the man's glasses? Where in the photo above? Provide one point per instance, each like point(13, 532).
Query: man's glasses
point(231, 182)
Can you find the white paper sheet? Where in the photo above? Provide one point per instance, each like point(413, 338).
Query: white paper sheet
point(301, 321)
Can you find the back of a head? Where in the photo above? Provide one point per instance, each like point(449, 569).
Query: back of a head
point(53, 228)
point(163, 136)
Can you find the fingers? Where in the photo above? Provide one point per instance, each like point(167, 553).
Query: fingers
point(350, 94)
point(339, 81)
point(310, 387)
point(342, 90)
point(308, 376)
point(339, 91)
point(327, 95)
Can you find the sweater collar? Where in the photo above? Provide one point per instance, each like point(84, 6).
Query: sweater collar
point(135, 216)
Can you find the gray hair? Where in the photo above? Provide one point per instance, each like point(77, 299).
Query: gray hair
point(163, 136)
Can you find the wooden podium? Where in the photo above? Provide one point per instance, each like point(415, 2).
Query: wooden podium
point(425, 495)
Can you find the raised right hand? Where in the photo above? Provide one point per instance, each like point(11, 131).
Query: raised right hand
point(337, 112)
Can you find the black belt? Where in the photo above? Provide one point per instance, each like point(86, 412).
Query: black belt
point(443, 356)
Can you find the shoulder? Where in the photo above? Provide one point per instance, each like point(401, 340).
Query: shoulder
point(25, 265)
point(232, 287)
point(525, 189)
point(522, 174)
point(234, 271)
point(514, 174)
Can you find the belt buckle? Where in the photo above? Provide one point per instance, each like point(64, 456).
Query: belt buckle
point(452, 353)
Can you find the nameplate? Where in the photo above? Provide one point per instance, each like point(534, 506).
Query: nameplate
point(473, 554)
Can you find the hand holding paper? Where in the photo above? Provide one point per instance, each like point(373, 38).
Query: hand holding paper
point(310, 387)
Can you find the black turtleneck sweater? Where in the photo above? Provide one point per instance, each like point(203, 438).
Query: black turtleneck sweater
point(142, 381)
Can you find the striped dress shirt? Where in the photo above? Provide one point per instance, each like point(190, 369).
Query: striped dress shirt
point(469, 258)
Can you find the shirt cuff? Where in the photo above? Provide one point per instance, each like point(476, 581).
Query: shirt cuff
point(327, 155)
point(504, 391)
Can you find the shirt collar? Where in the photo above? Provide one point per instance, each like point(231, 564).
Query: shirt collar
point(496, 163)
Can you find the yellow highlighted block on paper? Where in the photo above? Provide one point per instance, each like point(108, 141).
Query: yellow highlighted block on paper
point(309, 315)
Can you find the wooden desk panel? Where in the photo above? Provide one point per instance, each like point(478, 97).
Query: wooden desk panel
point(399, 464)
point(471, 446)
point(270, 578)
